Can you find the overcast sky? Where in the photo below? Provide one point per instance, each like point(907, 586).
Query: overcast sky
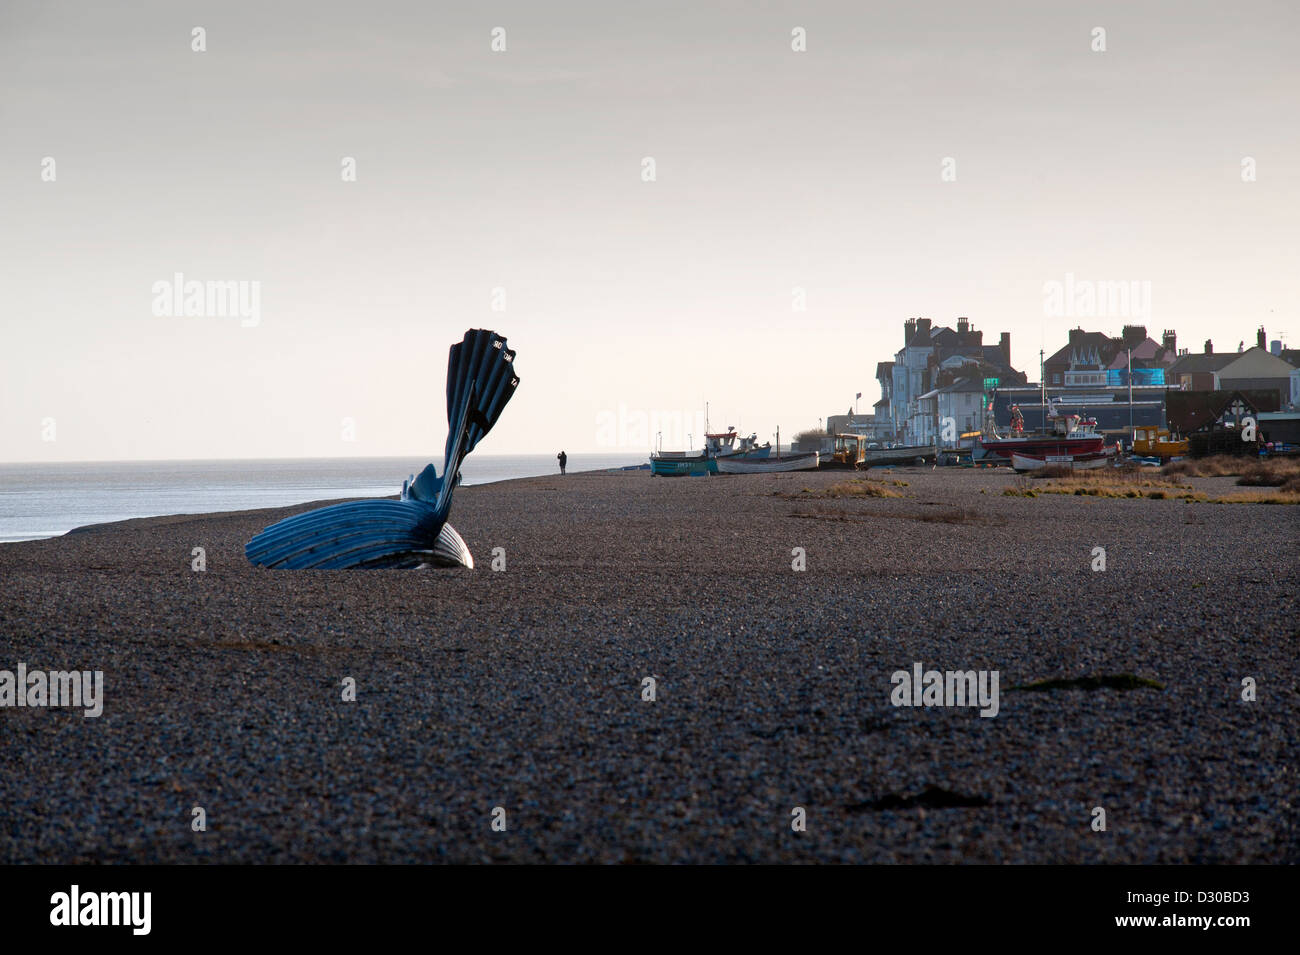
point(523, 170)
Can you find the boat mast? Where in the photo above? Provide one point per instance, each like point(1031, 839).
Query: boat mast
point(1130, 396)
point(1042, 384)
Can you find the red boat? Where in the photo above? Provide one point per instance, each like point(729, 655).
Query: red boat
point(1071, 436)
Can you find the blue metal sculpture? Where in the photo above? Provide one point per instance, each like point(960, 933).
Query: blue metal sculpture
point(413, 530)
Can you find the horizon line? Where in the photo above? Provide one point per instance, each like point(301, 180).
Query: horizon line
point(357, 457)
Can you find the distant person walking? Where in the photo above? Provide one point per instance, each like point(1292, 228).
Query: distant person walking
point(563, 459)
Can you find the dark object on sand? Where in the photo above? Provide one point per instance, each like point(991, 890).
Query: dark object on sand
point(413, 530)
point(563, 459)
point(1111, 681)
point(932, 797)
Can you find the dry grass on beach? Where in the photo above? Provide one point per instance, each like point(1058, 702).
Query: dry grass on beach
point(1100, 482)
point(863, 487)
point(1219, 465)
point(1133, 482)
point(1283, 495)
point(1250, 471)
point(1283, 474)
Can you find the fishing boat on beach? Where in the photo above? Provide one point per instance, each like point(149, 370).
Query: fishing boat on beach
point(900, 454)
point(1076, 462)
point(852, 451)
point(722, 445)
point(753, 464)
point(1069, 440)
point(678, 464)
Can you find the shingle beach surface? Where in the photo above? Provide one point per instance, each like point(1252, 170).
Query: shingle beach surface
point(523, 689)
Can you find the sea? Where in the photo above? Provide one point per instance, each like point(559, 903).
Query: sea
point(49, 499)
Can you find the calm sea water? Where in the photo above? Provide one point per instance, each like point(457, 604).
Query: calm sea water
point(45, 500)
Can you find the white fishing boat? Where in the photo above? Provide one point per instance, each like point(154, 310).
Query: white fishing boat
point(736, 464)
point(1076, 462)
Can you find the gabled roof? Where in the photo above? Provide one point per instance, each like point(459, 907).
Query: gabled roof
point(1148, 353)
point(1190, 411)
point(1194, 364)
point(1099, 341)
point(1255, 363)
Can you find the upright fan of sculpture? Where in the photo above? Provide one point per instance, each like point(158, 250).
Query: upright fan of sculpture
point(413, 530)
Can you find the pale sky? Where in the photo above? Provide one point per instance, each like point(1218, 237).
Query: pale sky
point(522, 170)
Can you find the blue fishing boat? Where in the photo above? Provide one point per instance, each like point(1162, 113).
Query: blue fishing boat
point(697, 466)
point(725, 444)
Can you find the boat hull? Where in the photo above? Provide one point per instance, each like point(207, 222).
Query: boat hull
point(1038, 447)
point(751, 464)
point(879, 457)
point(1076, 462)
point(682, 467)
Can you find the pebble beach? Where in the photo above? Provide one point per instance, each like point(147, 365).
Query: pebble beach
point(524, 689)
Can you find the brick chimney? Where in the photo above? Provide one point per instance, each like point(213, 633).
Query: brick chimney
point(1134, 335)
point(1004, 345)
point(909, 329)
point(1171, 341)
point(963, 326)
point(923, 328)
point(1260, 339)
point(1209, 347)
point(1075, 335)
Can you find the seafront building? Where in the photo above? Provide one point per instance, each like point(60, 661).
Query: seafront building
point(1249, 369)
point(1123, 381)
point(1212, 420)
point(939, 372)
point(1095, 359)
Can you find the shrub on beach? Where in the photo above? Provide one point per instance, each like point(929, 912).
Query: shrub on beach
point(861, 489)
point(1220, 465)
point(1276, 472)
point(1253, 472)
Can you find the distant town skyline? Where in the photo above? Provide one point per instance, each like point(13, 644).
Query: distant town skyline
point(248, 231)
